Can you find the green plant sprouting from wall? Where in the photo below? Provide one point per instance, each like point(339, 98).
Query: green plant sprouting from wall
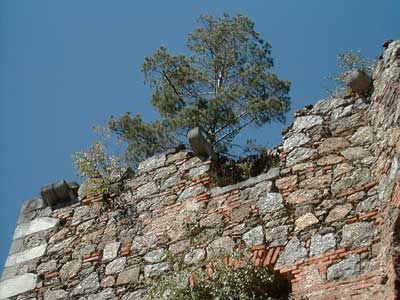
point(99, 169)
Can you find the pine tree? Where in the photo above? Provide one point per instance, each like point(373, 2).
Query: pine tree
point(224, 85)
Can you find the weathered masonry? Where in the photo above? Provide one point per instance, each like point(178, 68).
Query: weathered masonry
point(327, 218)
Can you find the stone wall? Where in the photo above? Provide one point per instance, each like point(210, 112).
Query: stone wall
point(327, 218)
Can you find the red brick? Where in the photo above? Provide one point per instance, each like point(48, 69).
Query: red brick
point(286, 269)
point(259, 247)
point(357, 251)
point(276, 254)
point(126, 253)
point(370, 184)
point(267, 260)
point(91, 259)
point(51, 275)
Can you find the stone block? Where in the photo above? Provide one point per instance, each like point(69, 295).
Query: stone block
point(116, 266)
point(240, 214)
point(353, 178)
point(303, 196)
point(48, 266)
point(293, 252)
point(34, 226)
point(141, 294)
point(61, 246)
point(329, 159)
point(277, 236)
point(295, 140)
point(81, 214)
point(164, 172)
point(147, 190)
point(306, 122)
point(358, 234)
point(305, 221)
point(333, 144)
point(270, 202)
point(392, 52)
point(141, 244)
point(302, 166)
point(107, 294)
point(355, 153)
point(191, 192)
point(154, 162)
point(26, 255)
point(342, 112)
point(9, 272)
point(55, 295)
point(26, 216)
point(171, 181)
point(107, 281)
point(318, 182)
point(369, 204)
point(111, 251)
point(254, 237)
point(194, 256)
point(347, 124)
point(363, 135)
point(256, 191)
point(221, 246)
point(286, 182)
point(129, 276)
point(151, 271)
point(178, 156)
point(299, 155)
point(70, 269)
point(88, 285)
point(190, 164)
point(16, 246)
point(322, 243)
point(341, 169)
point(33, 204)
point(325, 106)
point(155, 256)
point(344, 269)
point(17, 285)
point(199, 170)
point(338, 212)
point(180, 246)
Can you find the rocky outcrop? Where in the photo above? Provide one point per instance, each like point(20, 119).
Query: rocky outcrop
point(327, 218)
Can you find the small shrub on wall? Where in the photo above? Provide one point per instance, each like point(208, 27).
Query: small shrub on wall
point(98, 169)
point(225, 279)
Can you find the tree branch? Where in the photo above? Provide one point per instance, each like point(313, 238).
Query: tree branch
point(234, 130)
point(170, 83)
point(242, 115)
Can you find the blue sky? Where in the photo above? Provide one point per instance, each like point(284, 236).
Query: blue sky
point(66, 66)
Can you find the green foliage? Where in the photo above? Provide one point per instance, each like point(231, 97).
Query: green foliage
point(220, 280)
point(99, 169)
point(143, 139)
point(348, 61)
point(223, 85)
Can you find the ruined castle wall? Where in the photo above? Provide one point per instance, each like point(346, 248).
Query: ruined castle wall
point(326, 218)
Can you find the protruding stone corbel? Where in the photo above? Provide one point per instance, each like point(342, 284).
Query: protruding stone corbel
point(59, 193)
point(200, 144)
point(359, 82)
